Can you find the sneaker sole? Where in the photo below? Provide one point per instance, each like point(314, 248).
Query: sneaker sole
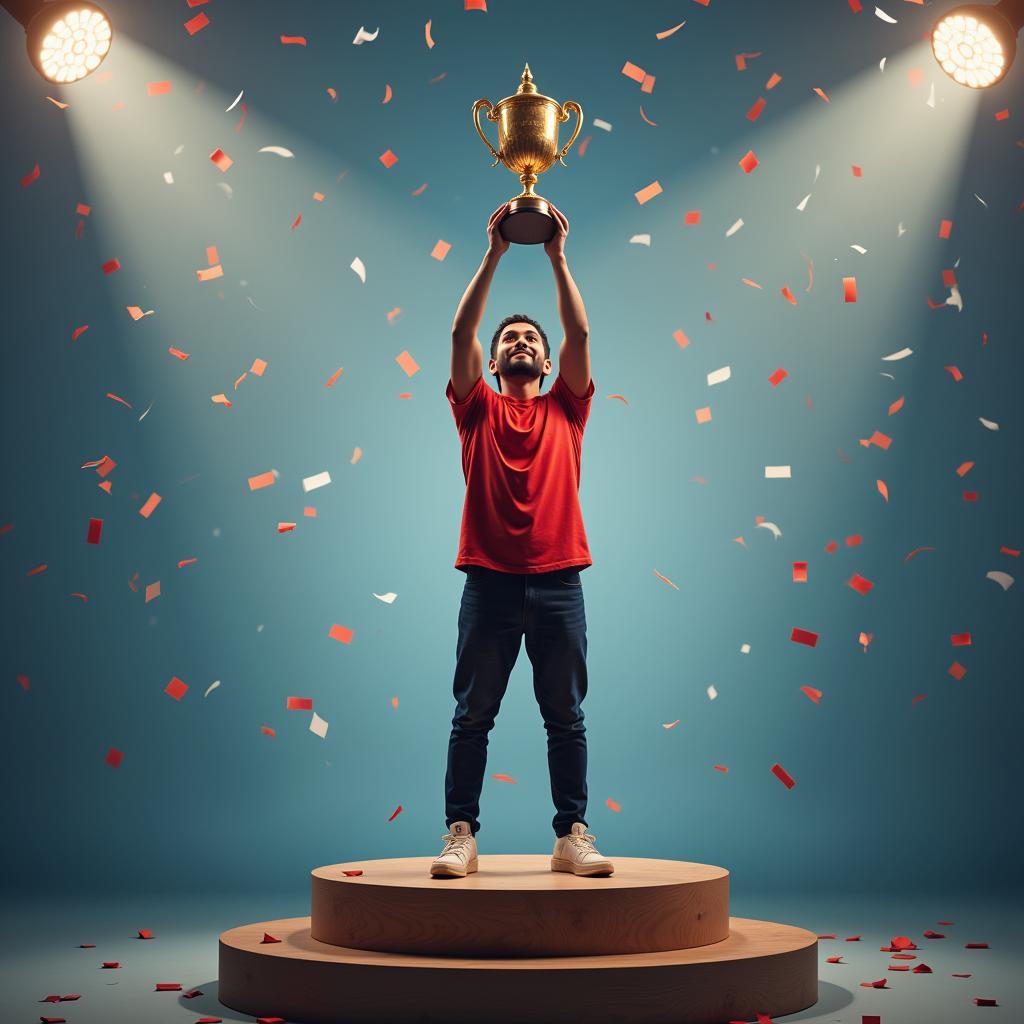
point(557, 864)
point(452, 870)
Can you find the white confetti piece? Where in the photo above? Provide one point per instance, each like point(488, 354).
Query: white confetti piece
point(213, 686)
point(988, 424)
point(179, 149)
point(732, 231)
point(387, 598)
point(902, 354)
point(168, 177)
point(641, 239)
point(882, 373)
point(900, 230)
point(598, 123)
point(858, 248)
point(777, 472)
point(311, 483)
point(712, 692)
point(362, 36)
point(980, 200)
point(233, 105)
point(718, 376)
point(279, 150)
point(357, 266)
point(143, 416)
point(1004, 579)
point(879, 13)
point(881, 63)
point(318, 726)
point(955, 299)
point(744, 648)
point(776, 532)
point(802, 205)
point(817, 172)
point(227, 189)
point(931, 97)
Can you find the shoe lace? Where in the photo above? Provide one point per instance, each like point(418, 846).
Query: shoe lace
point(582, 840)
point(456, 844)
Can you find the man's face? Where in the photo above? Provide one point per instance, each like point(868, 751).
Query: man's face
point(520, 354)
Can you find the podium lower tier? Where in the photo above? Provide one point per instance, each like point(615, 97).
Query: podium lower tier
point(761, 967)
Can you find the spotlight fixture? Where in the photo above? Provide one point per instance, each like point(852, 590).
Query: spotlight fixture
point(975, 44)
point(66, 40)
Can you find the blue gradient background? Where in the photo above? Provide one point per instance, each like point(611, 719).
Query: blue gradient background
point(888, 794)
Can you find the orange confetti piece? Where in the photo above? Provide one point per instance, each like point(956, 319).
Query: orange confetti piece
point(262, 480)
point(647, 85)
point(613, 806)
point(667, 32)
point(821, 93)
point(742, 58)
point(773, 81)
point(799, 572)
point(812, 693)
point(57, 103)
point(32, 175)
point(665, 578)
point(915, 76)
point(945, 227)
point(777, 377)
point(387, 94)
point(209, 273)
point(916, 551)
point(648, 193)
point(152, 591)
point(703, 415)
point(118, 398)
point(883, 490)
point(858, 172)
point(582, 147)
point(193, 25)
point(177, 353)
point(720, 767)
point(79, 331)
point(333, 93)
point(221, 159)
point(221, 399)
point(670, 725)
point(621, 398)
point(646, 118)
point(285, 527)
point(749, 161)
point(293, 40)
point(632, 71)
point(954, 373)
point(151, 503)
point(1002, 115)
point(340, 633)
point(964, 468)
point(258, 366)
point(681, 339)
point(158, 88)
point(187, 561)
point(334, 376)
point(440, 250)
point(388, 159)
point(82, 210)
point(896, 406)
point(849, 289)
point(407, 363)
point(420, 190)
point(691, 217)
point(240, 379)
point(753, 284)
point(211, 255)
point(426, 33)
point(788, 295)
point(505, 778)
point(755, 111)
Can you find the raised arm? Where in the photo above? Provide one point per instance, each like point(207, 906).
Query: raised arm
point(574, 354)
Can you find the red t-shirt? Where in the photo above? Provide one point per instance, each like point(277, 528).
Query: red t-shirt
point(521, 461)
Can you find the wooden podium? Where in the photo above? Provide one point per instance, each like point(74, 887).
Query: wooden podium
point(517, 943)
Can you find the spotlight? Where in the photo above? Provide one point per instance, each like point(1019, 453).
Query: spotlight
point(66, 41)
point(975, 44)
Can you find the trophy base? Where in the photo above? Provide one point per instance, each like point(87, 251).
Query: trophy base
point(528, 221)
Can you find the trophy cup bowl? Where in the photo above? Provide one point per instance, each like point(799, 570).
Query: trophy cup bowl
point(528, 146)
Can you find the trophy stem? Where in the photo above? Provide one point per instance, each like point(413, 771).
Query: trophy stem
point(527, 180)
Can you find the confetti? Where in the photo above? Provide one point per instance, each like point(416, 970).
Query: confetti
point(32, 176)
point(648, 192)
point(849, 289)
point(362, 36)
point(641, 240)
point(822, 94)
point(804, 636)
point(777, 472)
point(278, 151)
point(440, 250)
point(748, 162)
point(221, 159)
point(311, 483)
point(598, 123)
point(357, 266)
point(654, 124)
point(340, 633)
point(773, 81)
point(718, 376)
point(193, 25)
point(426, 33)
point(755, 111)
point(293, 40)
point(703, 415)
point(879, 13)
point(669, 31)
point(388, 159)
point(732, 231)
point(1004, 579)
point(784, 777)
point(158, 88)
point(232, 107)
point(883, 489)
point(945, 227)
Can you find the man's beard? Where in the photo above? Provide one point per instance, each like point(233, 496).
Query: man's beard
point(525, 368)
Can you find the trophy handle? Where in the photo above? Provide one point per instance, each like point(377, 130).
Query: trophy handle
point(564, 116)
point(490, 117)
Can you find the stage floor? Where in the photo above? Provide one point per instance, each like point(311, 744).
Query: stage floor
point(41, 954)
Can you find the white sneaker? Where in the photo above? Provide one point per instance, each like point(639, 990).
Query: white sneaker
point(576, 853)
point(458, 858)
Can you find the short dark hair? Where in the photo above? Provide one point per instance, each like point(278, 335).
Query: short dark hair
point(517, 318)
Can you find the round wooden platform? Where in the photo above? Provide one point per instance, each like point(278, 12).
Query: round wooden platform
point(516, 906)
point(761, 967)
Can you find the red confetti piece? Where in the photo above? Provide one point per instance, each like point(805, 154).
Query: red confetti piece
point(896, 406)
point(799, 572)
point(873, 984)
point(114, 757)
point(980, 1001)
point(241, 120)
point(742, 58)
point(975, 945)
point(221, 159)
point(773, 81)
point(168, 986)
point(293, 40)
point(193, 25)
point(822, 94)
point(95, 529)
point(849, 289)
point(420, 190)
point(1002, 115)
point(857, 171)
point(945, 227)
point(960, 639)
point(334, 376)
point(783, 776)
point(859, 583)
point(111, 266)
point(748, 162)
point(111, 964)
point(388, 159)
point(853, 540)
point(504, 778)
point(299, 704)
point(268, 938)
point(854, 5)
point(267, 731)
point(612, 805)
point(777, 377)
point(341, 633)
point(755, 111)
point(176, 688)
point(32, 175)
point(957, 671)
point(397, 811)
point(296, 222)
point(788, 295)
point(804, 636)
point(692, 217)
point(353, 873)
point(954, 373)
point(812, 693)
point(79, 331)
point(831, 546)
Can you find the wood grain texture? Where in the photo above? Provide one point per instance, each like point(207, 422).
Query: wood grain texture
point(761, 967)
point(516, 906)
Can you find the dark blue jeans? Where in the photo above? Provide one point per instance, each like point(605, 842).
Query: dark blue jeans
point(497, 610)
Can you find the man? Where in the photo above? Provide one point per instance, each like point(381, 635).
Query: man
point(522, 546)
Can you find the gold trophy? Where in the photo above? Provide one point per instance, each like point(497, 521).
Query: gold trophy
point(528, 145)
